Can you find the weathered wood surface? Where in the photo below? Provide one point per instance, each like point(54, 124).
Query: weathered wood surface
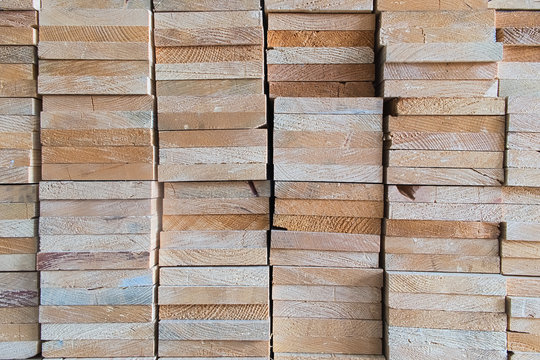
point(430, 5)
point(515, 4)
point(205, 5)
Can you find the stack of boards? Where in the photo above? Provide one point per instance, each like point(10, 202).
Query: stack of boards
point(320, 48)
point(95, 78)
point(19, 173)
point(327, 226)
point(445, 316)
point(214, 279)
point(446, 51)
point(214, 282)
point(446, 141)
point(99, 210)
point(518, 28)
point(210, 90)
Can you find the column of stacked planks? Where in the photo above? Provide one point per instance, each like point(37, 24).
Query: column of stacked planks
point(325, 242)
point(328, 54)
point(99, 203)
point(445, 297)
point(19, 174)
point(214, 279)
point(518, 28)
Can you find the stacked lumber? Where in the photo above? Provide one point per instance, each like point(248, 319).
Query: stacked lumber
point(519, 72)
point(97, 261)
point(439, 49)
point(214, 285)
point(95, 75)
point(446, 141)
point(327, 225)
point(19, 173)
point(213, 312)
point(520, 247)
point(320, 48)
point(322, 312)
point(441, 315)
point(523, 304)
point(523, 142)
point(210, 89)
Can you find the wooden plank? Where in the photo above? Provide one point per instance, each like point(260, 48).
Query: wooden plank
point(430, 5)
point(97, 103)
point(476, 321)
point(518, 36)
point(97, 137)
point(440, 88)
point(365, 209)
point(439, 71)
point(202, 104)
point(226, 330)
point(446, 124)
point(94, 314)
point(214, 70)
point(201, 37)
point(93, 51)
point(448, 106)
point(321, 72)
point(209, 87)
point(209, 54)
point(212, 172)
point(206, 5)
point(19, 106)
point(215, 222)
point(98, 348)
point(523, 342)
point(335, 224)
point(214, 312)
point(326, 327)
point(320, 55)
point(443, 262)
point(449, 141)
point(19, 5)
point(299, 21)
point(445, 159)
point(201, 295)
point(325, 241)
point(96, 225)
point(522, 286)
point(18, 36)
point(218, 190)
point(104, 243)
point(329, 191)
point(330, 106)
point(293, 257)
point(93, 34)
point(213, 276)
point(94, 17)
point(327, 345)
point(98, 4)
point(514, 4)
point(343, 294)
point(99, 172)
point(214, 348)
point(18, 54)
point(516, 19)
point(327, 276)
point(442, 27)
point(516, 53)
point(321, 89)
point(213, 155)
point(326, 310)
point(439, 52)
point(98, 190)
point(461, 339)
point(106, 331)
point(315, 38)
point(318, 6)
point(444, 176)
point(101, 155)
point(211, 121)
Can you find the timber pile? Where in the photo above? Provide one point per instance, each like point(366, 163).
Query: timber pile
point(99, 211)
point(520, 247)
point(97, 263)
point(213, 312)
point(327, 225)
point(440, 315)
point(519, 72)
point(446, 141)
point(211, 102)
point(523, 142)
point(94, 73)
point(223, 310)
point(447, 50)
point(19, 171)
point(320, 49)
point(523, 304)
